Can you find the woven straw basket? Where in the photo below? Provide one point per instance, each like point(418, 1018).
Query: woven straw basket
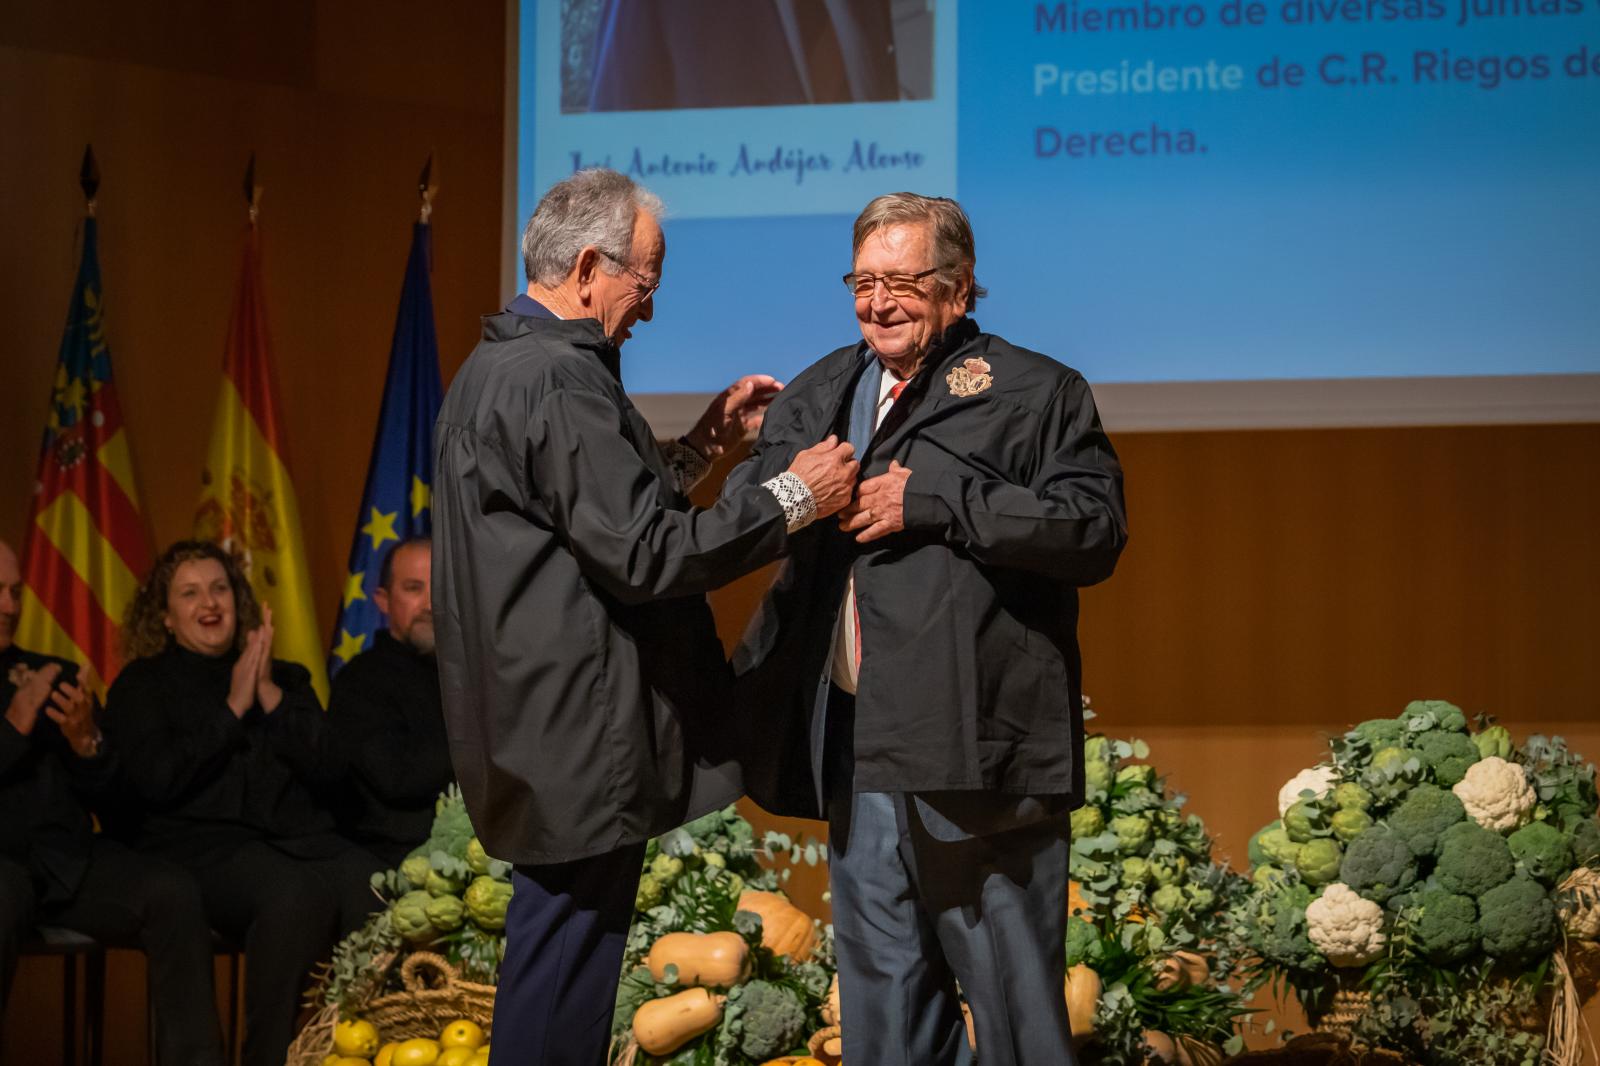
point(433, 996)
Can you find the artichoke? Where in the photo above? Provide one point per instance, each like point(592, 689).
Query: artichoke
point(486, 901)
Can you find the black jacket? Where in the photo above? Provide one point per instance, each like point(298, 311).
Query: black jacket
point(577, 656)
point(198, 781)
point(388, 725)
point(45, 788)
point(970, 675)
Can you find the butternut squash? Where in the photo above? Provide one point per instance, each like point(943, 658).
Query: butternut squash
point(1083, 998)
point(785, 928)
point(713, 960)
point(663, 1025)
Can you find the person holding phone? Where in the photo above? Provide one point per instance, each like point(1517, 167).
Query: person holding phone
point(56, 870)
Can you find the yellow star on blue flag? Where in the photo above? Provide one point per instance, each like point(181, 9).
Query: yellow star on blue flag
point(397, 503)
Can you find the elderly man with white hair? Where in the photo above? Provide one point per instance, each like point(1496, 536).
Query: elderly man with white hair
point(582, 675)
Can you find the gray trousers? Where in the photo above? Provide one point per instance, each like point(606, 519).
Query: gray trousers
point(915, 915)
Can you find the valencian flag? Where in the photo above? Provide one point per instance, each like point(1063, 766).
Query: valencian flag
point(86, 548)
point(397, 503)
point(247, 497)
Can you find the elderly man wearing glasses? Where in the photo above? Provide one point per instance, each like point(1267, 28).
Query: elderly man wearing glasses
point(913, 675)
point(581, 674)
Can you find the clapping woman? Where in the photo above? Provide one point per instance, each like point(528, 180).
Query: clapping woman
point(226, 761)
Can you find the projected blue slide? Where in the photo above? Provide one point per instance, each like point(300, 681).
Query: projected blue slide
point(1162, 191)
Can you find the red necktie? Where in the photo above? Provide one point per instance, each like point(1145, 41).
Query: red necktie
point(894, 394)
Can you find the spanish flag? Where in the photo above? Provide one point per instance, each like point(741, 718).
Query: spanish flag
point(247, 498)
point(86, 548)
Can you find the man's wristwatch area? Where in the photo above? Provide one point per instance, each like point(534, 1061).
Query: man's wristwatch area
point(799, 506)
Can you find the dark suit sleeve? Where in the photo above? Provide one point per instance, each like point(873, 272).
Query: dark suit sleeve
point(1067, 523)
point(158, 761)
point(387, 759)
point(13, 746)
point(606, 501)
point(299, 729)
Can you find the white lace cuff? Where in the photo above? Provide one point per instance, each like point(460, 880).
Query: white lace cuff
point(799, 506)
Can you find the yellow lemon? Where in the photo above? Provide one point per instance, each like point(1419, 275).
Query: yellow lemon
point(355, 1039)
point(454, 1056)
point(329, 1060)
point(462, 1033)
point(349, 1060)
point(385, 1054)
point(480, 1057)
point(418, 1052)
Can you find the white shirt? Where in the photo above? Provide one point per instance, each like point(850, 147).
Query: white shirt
point(848, 636)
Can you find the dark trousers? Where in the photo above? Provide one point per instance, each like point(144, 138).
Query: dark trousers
point(18, 906)
point(128, 898)
point(566, 929)
point(287, 912)
point(915, 915)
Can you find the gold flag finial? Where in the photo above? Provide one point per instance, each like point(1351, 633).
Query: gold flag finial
point(427, 187)
point(89, 178)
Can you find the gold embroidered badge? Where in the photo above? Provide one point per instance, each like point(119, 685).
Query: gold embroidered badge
point(970, 378)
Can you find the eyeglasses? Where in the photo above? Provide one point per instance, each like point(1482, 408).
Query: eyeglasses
point(649, 287)
point(897, 284)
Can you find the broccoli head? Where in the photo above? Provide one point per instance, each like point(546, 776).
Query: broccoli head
point(1518, 920)
point(1541, 850)
point(1433, 714)
point(1347, 795)
point(1446, 755)
point(1284, 935)
point(1083, 942)
point(1349, 822)
point(1447, 926)
point(774, 1019)
point(1473, 859)
point(1493, 742)
point(1380, 733)
point(1378, 863)
point(1425, 813)
point(1318, 861)
point(1584, 837)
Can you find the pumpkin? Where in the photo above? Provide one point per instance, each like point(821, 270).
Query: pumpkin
point(830, 1008)
point(1180, 970)
point(709, 959)
point(663, 1025)
point(785, 928)
point(1083, 997)
point(1161, 1046)
point(1075, 902)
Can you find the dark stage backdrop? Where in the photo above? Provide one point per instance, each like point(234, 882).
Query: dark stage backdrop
point(1278, 584)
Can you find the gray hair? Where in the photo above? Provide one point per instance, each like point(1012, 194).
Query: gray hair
point(593, 208)
point(954, 250)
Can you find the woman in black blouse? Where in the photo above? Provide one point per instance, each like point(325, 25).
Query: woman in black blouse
point(228, 767)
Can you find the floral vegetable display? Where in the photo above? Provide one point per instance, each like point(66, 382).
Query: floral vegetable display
point(1429, 888)
point(1152, 973)
point(720, 968)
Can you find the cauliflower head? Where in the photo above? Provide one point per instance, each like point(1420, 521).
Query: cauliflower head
point(1318, 780)
point(1496, 794)
point(1345, 927)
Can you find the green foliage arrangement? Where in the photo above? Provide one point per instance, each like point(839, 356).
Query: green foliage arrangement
point(1441, 871)
point(1150, 908)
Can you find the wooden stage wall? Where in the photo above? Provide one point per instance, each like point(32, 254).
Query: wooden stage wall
point(1278, 585)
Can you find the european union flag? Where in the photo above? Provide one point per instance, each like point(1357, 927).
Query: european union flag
point(397, 502)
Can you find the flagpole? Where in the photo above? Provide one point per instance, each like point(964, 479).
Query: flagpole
point(252, 191)
point(89, 178)
point(427, 187)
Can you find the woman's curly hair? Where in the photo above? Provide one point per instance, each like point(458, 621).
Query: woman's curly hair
point(144, 630)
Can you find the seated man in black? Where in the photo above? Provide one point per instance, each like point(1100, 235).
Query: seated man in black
point(55, 870)
point(387, 716)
